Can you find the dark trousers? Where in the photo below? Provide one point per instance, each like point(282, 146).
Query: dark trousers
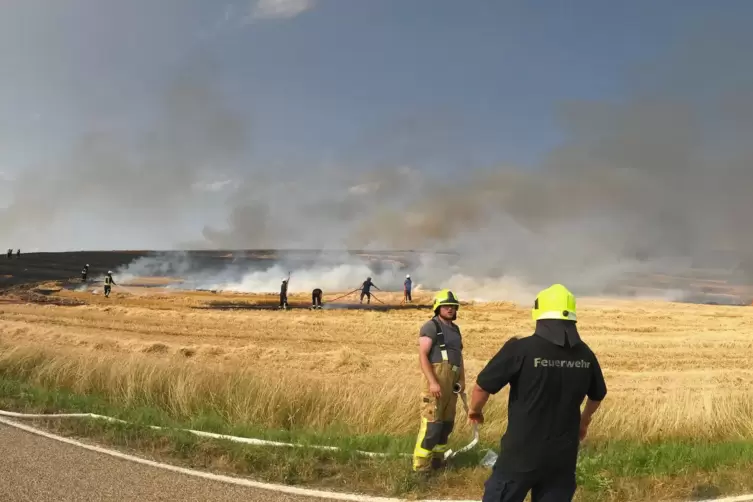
point(557, 487)
point(316, 300)
point(367, 294)
point(283, 300)
point(407, 296)
point(107, 290)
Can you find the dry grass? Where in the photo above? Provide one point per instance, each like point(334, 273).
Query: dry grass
point(673, 370)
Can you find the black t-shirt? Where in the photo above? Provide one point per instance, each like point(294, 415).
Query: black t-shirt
point(548, 383)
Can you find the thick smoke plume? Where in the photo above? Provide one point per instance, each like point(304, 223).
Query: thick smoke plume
point(657, 183)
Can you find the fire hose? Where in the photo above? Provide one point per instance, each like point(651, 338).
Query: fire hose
point(343, 296)
point(377, 299)
point(252, 441)
point(457, 389)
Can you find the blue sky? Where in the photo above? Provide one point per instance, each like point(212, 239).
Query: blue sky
point(440, 86)
point(434, 82)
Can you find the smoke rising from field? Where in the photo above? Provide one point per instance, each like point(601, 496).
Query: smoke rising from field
point(658, 182)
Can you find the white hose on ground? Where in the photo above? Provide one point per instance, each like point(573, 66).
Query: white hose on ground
point(449, 453)
point(229, 479)
point(236, 439)
point(292, 490)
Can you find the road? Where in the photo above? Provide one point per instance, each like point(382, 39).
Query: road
point(34, 468)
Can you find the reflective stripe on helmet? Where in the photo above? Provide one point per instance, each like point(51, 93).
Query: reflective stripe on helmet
point(555, 314)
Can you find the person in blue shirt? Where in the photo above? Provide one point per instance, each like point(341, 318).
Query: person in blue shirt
point(407, 285)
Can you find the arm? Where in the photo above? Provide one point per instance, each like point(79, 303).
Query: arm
point(424, 348)
point(478, 401)
point(462, 374)
point(501, 370)
point(585, 417)
point(597, 391)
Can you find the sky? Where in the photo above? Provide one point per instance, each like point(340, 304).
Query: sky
point(177, 123)
point(318, 79)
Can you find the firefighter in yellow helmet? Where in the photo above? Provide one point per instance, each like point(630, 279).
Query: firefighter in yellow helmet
point(441, 358)
point(550, 373)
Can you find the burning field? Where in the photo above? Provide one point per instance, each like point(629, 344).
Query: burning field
point(677, 373)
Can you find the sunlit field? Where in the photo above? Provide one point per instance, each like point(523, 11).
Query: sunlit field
point(672, 370)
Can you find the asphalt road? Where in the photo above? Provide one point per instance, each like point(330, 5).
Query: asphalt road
point(33, 468)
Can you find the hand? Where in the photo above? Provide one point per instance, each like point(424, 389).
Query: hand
point(476, 418)
point(584, 423)
point(435, 389)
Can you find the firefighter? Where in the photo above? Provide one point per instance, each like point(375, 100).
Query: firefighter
point(109, 282)
point(18, 253)
point(316, 299)
point(366, 289)
point(407, 285)
point(550, 373)
point(10, 253)
point(84, 272)
point(441, 359)
point(284, 294)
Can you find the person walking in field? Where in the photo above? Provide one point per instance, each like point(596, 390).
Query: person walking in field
point(407, 285)
point(440, 355)
point(549, 373)
point(316, 299)
point(284, 294)
point(109, 282)
point(366, 290)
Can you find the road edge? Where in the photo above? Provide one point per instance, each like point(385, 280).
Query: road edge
point(304, 492)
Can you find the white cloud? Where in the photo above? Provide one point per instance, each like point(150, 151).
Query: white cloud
point(364, 188)
point(279, 9)
point(212, 186)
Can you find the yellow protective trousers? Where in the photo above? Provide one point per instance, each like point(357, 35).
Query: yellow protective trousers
point(437, 417)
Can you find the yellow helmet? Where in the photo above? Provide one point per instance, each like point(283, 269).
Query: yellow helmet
point(445, 297)
point(555, 302)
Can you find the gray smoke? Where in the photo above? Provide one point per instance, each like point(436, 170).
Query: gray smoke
point(657, 183)
point(112, 185)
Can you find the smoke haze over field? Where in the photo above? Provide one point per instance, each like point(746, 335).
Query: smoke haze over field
point(655, 182)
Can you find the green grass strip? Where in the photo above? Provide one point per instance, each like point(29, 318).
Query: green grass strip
point(606, 470)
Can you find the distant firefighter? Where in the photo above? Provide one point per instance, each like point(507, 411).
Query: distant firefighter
point(284, 294)
point(18, 253)
point(407, 285)
point(10, 253)
point(109, 282)
point(316, 299)
point(366, 289)
point(84, 272)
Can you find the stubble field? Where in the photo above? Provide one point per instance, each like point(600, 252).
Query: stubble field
point(675, 372)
